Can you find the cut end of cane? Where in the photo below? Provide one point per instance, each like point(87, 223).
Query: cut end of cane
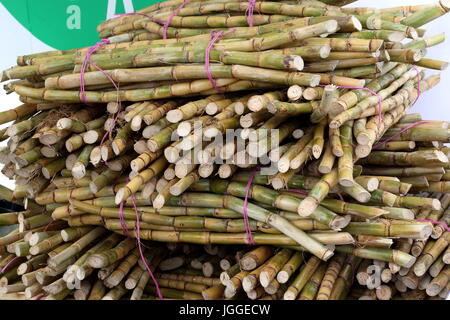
point(247, 121)
point(327, 254)
point(176, 190)
point(249, 283)
point(91, 137)
point(282, 277)
point(316, 151)
point(331, 26)
point(211, 132)
point(337, 107)
point(363, 197)
point(433, 289)
point(256, 103)
point(363, 138)
point(95, 157)
point(445, 4)
point(310, 94)
point(446, 258)
point(294, 62)
point(324, 51)
point(239, 108)
point(93, 187)
point(225, 171)
point(277, 183)
point(315, 81)
point(284, 165)
point(298, 133)
point(372, 184)
point(112, 107)
point(346, 182)
point(436, 204)
point(373, 22)
point(356, 23)
point(115, 147)
point(64, 123)
point(78, 170)
point(362, 151)
point(307, 207)
point(205, 170)
point(174, 116)
point(50, 139)
point(152, 146)
point(294, 92)
point(211, 108)
point(184, 129)
point(289, 295)
point(324, 169)
point(120, 196)
point(340, 222)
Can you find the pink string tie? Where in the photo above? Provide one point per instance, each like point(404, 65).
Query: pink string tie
point(215, 35)
point(8, 264)
point(138, 236)
point(297, 191)
point(248, 231)
point(249, 12)
point(418, 84)
point(412, 125)
point(122, 220)
point(380, 101)
point(350, 262)
point(48, 225)
point(172, 15)
point(442, 224)
point(87, 61)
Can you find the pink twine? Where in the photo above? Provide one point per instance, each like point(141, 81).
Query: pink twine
point(442, 224)
point(418, 84)
point(172, 15)
point(8, 264)
point(138, 235)
point(122, 220)
point(249, 12)
point(412, 125)
point(87, 61)
point(297, 191)
point(48, 225)
point(350, 262)
point(380, 101)
point(340, 196)
point(215, 35)
point(248, 231)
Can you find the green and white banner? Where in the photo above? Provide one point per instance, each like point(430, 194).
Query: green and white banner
point(64, 24)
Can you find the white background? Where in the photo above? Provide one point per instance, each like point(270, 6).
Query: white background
point(432, 105)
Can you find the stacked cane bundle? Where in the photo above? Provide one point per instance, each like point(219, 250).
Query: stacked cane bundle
point(189, 127)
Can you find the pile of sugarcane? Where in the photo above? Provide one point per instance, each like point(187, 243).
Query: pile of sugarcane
point(192, 156)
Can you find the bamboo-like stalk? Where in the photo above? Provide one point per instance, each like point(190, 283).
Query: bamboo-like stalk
point(302, 278)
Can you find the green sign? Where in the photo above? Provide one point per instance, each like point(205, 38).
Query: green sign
point(66, 24)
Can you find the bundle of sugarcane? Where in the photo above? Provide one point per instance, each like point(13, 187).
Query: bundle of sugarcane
point(325, 165)
point(89, 263)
